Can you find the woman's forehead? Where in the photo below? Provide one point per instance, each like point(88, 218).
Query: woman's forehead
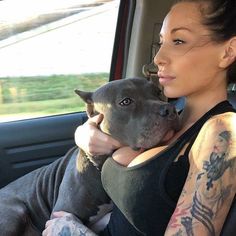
point(183, 16)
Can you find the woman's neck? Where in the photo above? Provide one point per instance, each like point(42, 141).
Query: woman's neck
point(192, 112)
point(195, 108)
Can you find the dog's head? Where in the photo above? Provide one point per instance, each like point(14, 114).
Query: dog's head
point(132, 112)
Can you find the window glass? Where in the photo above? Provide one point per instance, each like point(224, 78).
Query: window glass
point(48, 48)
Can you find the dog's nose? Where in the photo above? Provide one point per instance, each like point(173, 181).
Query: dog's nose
point(166, 110)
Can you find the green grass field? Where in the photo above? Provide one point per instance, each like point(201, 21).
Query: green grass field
point(28, 97)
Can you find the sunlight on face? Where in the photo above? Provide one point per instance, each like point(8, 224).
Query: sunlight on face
point(183, 32)
point(188, 59)
point(178, 47)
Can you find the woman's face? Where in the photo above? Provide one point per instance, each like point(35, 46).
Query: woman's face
point(188, 60)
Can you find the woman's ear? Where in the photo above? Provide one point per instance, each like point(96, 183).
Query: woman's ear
point(229, 54)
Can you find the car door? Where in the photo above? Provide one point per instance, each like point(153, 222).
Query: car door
point(47, 55)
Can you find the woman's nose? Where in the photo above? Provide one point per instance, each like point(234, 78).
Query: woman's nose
point(160, 59)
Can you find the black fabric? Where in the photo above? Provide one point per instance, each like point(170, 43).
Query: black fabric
point(145, 195)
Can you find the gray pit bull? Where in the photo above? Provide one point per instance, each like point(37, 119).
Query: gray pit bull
point(132, 113)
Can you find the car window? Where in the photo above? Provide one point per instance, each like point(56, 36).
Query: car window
point(49, 48)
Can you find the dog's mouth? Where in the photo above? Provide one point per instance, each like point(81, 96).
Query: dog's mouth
point(146, 143)
point(139, 149)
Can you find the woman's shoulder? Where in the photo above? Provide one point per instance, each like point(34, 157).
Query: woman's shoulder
point(216, 136)
point(225, 116)
point(210, 186)
point(220, 123)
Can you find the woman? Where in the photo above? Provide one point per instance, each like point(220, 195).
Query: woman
point(187, 186)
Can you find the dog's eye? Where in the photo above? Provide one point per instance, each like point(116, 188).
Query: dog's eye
point(126, 102)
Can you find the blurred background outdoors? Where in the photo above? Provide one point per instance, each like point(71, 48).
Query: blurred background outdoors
point(50, 47)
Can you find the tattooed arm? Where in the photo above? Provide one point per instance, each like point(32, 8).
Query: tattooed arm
point(66, 224)
point(210, 187)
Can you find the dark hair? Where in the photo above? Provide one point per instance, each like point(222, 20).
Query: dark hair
point(220, 18)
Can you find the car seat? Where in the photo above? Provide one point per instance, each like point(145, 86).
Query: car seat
point(232, 94)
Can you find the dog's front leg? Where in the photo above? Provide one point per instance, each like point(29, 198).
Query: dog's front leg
point(81, 192)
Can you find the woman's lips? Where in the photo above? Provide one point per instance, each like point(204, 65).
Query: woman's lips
point(164, 79)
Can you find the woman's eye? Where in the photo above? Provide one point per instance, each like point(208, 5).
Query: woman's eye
point(126, 102)
point(178, 41)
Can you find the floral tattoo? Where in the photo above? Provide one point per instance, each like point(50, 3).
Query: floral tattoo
point(217, 165)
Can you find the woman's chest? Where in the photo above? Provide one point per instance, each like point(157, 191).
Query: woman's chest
point(144, 190)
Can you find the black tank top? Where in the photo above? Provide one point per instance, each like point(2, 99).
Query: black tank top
point(145, 195)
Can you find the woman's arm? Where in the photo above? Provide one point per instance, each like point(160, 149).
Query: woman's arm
point(210, 186)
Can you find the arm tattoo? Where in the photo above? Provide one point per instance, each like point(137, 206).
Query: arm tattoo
point(213, 170)
point(70, 226)
point(188, 225)
point(179, 233)
point(208, 201)
point(178, 212)
point(203, 214)
point(65, 231)
point(217, 165)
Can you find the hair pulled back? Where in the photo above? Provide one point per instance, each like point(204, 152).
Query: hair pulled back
point(220, 18)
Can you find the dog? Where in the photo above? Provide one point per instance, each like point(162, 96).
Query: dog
point(132, 113)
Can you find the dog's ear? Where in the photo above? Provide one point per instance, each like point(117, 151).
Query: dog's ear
point(87, 98)
point(155, 81)
point(90, 110)
point(159, 89)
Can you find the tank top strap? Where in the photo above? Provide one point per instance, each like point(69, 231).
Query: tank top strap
point(221, 107)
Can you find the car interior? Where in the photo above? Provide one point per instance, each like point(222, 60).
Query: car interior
point(29, 144)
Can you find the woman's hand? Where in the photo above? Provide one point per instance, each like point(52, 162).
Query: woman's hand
point(94, 142)
point(65, 223)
